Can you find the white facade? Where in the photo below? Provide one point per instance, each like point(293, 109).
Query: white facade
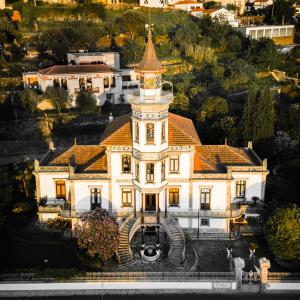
point(157, 3)
point(152, 163)
point(97, 73)
point(260, 4)
point(188, 5)
point(269, 31)
point(2, 4)
point(240, 4)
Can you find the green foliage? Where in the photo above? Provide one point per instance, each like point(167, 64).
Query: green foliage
point(211, 4)
point(86, 103)
point(24, 178)
point(213, 106)
point(181, 102)
point(132, 51)
point(259, 115)
point(98, 234)
point(23, 207)
point(59, 223)
point(264, 55)
point(58, 96)
point(282, 233)
point(29, 99)
point(132, 23)
point(59, 274)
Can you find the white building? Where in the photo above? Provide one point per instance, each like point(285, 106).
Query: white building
point(260, 4)
point(150, 169)
point(188, 5)
point(240, 4)
point(222, 15)
point(97, 73)
point(2, 4)
point(157, 3)
point(280, 34)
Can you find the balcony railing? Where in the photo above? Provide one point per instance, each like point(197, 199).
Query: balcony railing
point(87, 90)
point(216, 213)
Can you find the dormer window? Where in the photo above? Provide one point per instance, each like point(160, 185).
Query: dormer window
point(150, 132)
point(126, 163)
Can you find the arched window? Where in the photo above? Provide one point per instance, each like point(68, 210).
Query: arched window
point(126, 163)
point(150, 132)
point(150, 172)
point(163, 131)
point(60, 189)
point(137, 131)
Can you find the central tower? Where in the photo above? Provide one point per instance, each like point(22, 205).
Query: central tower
point(150, 130)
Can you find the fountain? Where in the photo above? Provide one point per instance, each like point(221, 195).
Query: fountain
point(150, 252)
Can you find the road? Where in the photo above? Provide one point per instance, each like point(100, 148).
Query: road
point(174, 297)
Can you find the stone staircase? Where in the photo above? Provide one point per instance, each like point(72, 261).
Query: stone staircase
point(177, 241)
point(124, 252)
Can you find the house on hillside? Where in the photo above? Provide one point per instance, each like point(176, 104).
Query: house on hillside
point(97, 73)
point(240, 4)
point(222, 15)
point(188, 5)
point(151, 171)
point(260, 4)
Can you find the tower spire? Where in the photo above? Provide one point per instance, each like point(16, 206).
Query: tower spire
point(150, 62)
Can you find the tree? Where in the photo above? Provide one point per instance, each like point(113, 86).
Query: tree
point(181, 102)
point(86, 103)
point(132, 23)
point(132, 51)
point(259, 115)
point(29, 99)
point(58, 96)
point(282, 233)
point(98, 234)
point(6, 192)
point(211, 4)
point(263, 54)
point(213, 106)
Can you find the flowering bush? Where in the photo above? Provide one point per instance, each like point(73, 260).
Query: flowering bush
point(98, 234)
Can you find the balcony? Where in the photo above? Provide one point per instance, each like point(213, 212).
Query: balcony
point(217, 213)
point(164, 97)
point(89, 90)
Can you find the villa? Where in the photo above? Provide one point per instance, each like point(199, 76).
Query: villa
point(150, 170)
point(97, 73)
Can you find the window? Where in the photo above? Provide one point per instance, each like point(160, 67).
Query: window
point(137, 171)
point(174, 197)
point(113, 82)
point(60, 189)
point(240, 189)
point(56, 82)
point(163, 131)
point(126, 78)
point(126, 163)
point(106, 82)
point(81, 84)
point(137, 131)
point(95, 198)
point(64, 83)
point(205, 195)
point(126, 197)
point(174, 163)
point(163, 170)
point(150, 172)
point(150, 132)
point(204, 222)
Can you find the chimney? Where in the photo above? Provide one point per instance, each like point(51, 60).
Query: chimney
point(51, 146)
point(110, 118)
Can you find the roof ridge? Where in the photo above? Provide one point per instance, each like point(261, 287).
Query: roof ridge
point(68, 150)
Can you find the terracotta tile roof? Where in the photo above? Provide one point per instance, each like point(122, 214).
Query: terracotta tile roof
point(181, 131)
point(214, 158)
point(77, 69)
point(198, 9)
point(118, 132)
point(185, 2)
point(85, 158)
point(210, 11)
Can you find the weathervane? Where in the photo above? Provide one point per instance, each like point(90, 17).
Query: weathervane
point(149, 27)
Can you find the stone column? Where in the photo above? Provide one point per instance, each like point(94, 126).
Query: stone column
point(157, 206)
point(264, 266)
point(142, 209)
point(134, 202)
point(239, 264)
